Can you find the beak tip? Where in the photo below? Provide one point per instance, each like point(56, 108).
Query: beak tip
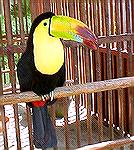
point(92, 44)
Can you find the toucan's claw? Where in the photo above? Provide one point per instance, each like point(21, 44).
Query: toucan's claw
point(51, 94)
point(48, 98)
point(43, 97)
point(51, 100)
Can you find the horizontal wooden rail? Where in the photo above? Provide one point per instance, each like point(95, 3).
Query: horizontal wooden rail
point(109, 144)
point(101, 39)
point(116, 38)
point(66, 91)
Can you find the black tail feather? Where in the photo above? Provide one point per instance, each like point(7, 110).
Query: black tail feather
point(44, 135)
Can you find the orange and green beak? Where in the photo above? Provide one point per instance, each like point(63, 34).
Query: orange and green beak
point(68, 28)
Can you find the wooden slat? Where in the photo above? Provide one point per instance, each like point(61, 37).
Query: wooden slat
point(115, 94)
point(78, 124)
point(21, 22)
point(77, 98)
point(15, 15)
point(71, 8)
point(2, 109)
point(6, 5)
point(61, 92)
point(94, 79)
point(120, 69)
point(109, 71)
point(101, 39)
point(103, 18)
point(15, 106)
point(2, 112)
point(26, 15)
point(91, 14)
point(116, 38)
point(29, 121)
point(58, 7)
point(47, 5)
point(76, 81)
point(89, 96)
point(7, 15)
point(89, 122)
point(82, 11)
point(98, 75)
point(17, 127)
point(66, 127)
point(103, 77)
point(122, 21)
point(109, 144)
point(112, 29)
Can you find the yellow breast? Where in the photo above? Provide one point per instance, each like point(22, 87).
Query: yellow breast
point(48, 52)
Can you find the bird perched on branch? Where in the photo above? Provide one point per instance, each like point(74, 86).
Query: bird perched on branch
point(42, 67)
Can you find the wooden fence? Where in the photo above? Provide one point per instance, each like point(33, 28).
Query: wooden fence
point(113, 23)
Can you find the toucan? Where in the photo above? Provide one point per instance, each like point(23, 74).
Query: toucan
point(41, 67)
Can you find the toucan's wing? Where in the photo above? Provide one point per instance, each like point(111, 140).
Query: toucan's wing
point(24, 72)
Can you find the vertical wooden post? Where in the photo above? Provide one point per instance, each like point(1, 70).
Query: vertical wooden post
point(29, 121)
point(6, 5)
point(66, 129)
point(7, 15)
point(98, 74)
point(109, 69)
point(119, 72)
point(39, 6)
point(9, 38)
point(2, 113)
point(21, 22)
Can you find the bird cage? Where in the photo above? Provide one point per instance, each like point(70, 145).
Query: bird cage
point(97, 102)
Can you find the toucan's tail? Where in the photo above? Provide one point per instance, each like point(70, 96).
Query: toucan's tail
point(44, 135)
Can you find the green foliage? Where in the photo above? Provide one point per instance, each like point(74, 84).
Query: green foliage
point(4, 66)
point(26, 17)
point(4, 62)
point(25, 8)
point(2, 23)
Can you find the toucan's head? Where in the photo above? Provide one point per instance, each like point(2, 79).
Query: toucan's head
point(65, 28)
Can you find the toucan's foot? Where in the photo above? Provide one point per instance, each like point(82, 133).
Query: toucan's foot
point(51, 100)
point(44, 98)
point(48, 98)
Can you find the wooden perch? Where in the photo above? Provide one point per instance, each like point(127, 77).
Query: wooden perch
point(109, 144)
point(61, 92)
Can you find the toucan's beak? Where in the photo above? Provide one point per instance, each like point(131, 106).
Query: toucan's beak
point(68, 28)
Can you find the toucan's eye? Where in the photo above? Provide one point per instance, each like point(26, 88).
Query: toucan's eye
point(45, 23)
